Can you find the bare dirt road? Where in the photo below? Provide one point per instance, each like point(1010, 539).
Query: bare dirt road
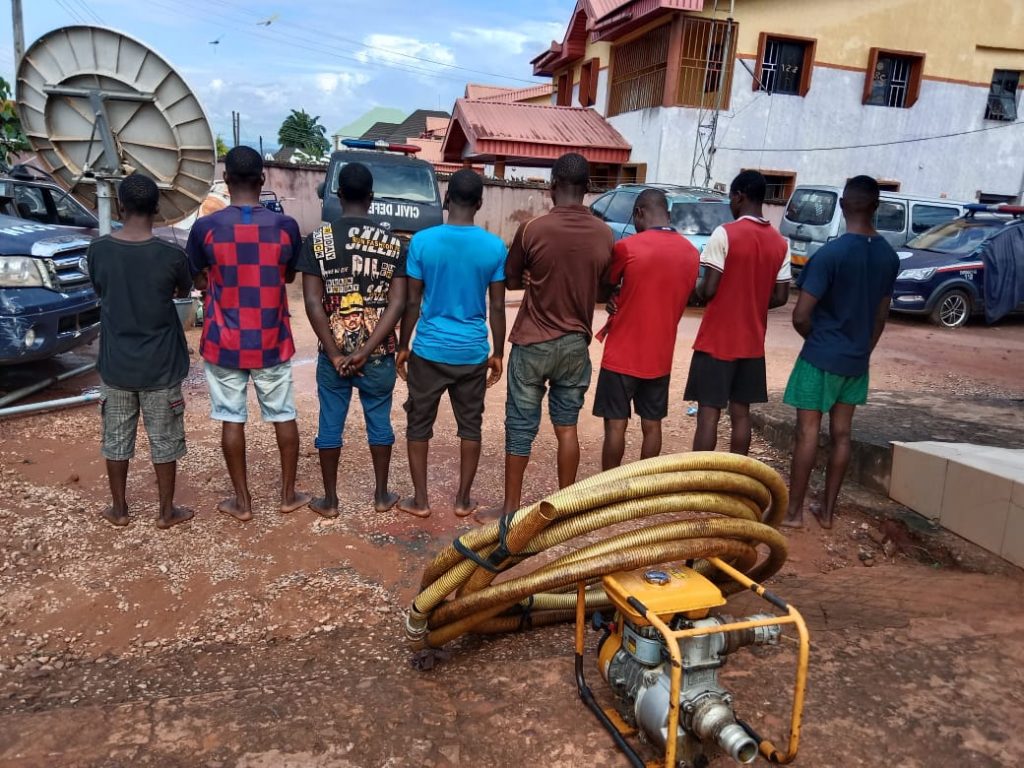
point(279, 643)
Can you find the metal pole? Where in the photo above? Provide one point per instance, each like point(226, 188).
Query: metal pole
point(18, 394)
point(48, 405)
point(104, 192)
point(19, 34)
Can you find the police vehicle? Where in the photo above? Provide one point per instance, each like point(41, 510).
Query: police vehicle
point(942, 270)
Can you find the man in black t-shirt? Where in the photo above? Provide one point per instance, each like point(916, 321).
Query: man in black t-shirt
point(143, 355)
point(354, 285)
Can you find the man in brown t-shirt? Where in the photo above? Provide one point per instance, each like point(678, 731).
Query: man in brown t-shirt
point(565, 253)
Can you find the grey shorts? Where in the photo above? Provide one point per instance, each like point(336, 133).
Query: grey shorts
point(163, 412)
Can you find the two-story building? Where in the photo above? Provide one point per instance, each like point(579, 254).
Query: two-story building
point(921, 94)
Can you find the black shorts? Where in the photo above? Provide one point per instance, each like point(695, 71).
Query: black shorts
point(615, 392)
point(715, 383)
point(466, 386)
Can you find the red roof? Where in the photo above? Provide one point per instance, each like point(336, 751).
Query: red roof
point(521, 94)
point(530, 134)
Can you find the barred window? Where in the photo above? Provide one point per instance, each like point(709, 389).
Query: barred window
point(1002, 95)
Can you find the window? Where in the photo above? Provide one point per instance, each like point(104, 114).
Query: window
point(1002, 95)
point(813, 207)
point(699, 218)
point(638, 72)
point(885, 185)
point(564, 90)
point(600, 206)
point(589, 74)
point(924, 217)
point(31, 204)
point(893, 78)
point(705, 75)
point(784, 64)
point(891, 216)
point(620, 210)
point(780, 186)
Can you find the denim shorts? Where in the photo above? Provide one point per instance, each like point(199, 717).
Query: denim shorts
point(163, 412)
point(229, 392)
point(561, 368)
point(376, 386)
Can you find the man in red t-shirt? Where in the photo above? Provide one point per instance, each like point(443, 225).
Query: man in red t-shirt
point(748, 273)
point(657, 269)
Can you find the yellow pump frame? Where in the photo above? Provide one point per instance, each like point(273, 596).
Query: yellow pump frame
point(618, 729)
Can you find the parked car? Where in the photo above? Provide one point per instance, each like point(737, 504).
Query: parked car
point(406, 198)
point(813, 217)
point(695, 212)
point(31, 194)
point(942, 270)
point(47, 304)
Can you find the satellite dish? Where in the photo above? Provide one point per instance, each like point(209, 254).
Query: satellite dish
point(96, 104)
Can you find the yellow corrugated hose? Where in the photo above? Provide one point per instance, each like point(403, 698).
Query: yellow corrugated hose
point(733, 505)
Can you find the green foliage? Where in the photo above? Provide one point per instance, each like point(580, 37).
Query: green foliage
point(304, 132)
point(222, 148)
point(12, 138)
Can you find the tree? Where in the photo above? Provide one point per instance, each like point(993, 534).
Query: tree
point(303, 131)
point(12, 138)
point(222, 148)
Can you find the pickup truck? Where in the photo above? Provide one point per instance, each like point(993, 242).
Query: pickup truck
point(47, 304)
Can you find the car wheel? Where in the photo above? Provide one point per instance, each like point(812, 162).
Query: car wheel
point(953, 309)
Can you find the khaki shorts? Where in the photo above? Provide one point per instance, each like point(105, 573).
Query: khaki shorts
point(163, 412)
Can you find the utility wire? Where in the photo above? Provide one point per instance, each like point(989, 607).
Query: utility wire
point(878, 143)
point(87, 10)
point(75, 15)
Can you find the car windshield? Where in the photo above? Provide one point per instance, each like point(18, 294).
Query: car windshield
point(959, 237)
point(397, 181)
point(699, 218)
point(813, 207)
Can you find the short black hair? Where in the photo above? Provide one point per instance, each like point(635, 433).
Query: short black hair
point(138, 195)
point(572, 170)
point(653, 200)
point(355, 183)
point(466, 187)
point(751, 184)
point(244, 165)
point(861, 194)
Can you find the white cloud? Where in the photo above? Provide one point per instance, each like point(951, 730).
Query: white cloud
point(521, 39)
point(390, 48)
point(340, 83)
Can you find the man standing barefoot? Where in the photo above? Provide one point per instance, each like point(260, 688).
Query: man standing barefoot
point(143, 355)
point(657, 269)
point(354, 287)
point(844, 303)
point(748, 274)
point(243, 256)
point(457, 272)
point(565, 252)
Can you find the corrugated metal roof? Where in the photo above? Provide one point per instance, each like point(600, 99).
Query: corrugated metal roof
point(512, 95)
point(379, 130)
point(479, 91)
point(484, 129)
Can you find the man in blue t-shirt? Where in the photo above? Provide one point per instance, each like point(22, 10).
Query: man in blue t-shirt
point(452, 271)
point(844, 302)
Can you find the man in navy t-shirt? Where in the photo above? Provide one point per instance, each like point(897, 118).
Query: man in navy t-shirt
point(844, 302)
point(456, 279)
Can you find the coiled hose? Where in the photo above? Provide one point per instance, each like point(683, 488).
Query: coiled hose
point(735, 504)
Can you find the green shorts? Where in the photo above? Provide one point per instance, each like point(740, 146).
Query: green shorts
point(812, 389)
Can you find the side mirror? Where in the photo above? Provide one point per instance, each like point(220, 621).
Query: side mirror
point(320, 190)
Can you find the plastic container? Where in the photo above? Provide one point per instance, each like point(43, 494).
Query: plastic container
point(186, 312)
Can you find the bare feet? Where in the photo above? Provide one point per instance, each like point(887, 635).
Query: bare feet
point(385, 502)
point(465, 507)
point(178, 515)
point(236, 510)
point(409, 505)
point(296, 501)
point(488, 515)
point(118, 517)
point(824, 519)
point(325, 508)
point(794, 521)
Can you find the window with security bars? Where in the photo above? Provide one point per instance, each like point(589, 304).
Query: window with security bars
point(893, 79)
point(1002, 95)
point(784, 65)
point(706, 62)
point(638, 72)
point(779, 185)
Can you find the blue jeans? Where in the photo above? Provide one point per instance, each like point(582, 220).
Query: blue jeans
point(560, 367)
point(376, 386)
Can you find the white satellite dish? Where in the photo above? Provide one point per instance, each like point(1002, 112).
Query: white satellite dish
point(96, 104)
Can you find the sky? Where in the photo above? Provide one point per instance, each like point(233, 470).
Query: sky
point(336, 59)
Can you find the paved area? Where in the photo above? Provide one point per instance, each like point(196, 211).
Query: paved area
point(279, 642)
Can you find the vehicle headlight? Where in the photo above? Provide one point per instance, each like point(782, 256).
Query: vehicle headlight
point(24, 272)
point(925, 273)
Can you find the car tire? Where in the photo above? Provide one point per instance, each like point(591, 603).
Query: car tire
point(952, 310)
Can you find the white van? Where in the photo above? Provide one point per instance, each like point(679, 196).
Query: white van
point(813, 217)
